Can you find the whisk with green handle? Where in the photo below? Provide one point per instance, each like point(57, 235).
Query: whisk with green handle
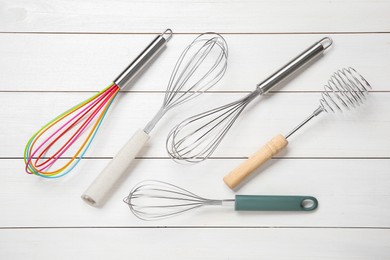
point(153, 200)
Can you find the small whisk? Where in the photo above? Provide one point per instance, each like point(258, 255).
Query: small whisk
point(154, 200)
point(201, 65)
point(197, 137)
point(346, 89)
point(64, 134)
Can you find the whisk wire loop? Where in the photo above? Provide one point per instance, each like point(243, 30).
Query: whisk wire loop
point(180, 89)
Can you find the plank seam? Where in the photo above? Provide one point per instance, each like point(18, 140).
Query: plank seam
point(194, 33)
point(224, 158)
point(194, 227)
point(163, 91)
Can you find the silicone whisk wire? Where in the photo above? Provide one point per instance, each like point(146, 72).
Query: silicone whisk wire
point(84, 112)
point(81, 115)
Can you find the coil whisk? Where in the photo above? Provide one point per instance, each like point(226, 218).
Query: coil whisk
point(346, 89)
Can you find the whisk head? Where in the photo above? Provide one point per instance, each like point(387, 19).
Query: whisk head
point(200, 66)
point(189, 78)
point(346, 89)
point(153, 200)
point(195, 139)
point(67, 137)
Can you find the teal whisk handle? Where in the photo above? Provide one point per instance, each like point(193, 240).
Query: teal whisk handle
point(275, 203)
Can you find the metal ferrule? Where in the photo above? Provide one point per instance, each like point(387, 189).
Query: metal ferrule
point(293, 66)
point(144, 58)
point(152, 123)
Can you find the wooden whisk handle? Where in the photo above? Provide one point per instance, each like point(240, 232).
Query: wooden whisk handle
point(271, 148)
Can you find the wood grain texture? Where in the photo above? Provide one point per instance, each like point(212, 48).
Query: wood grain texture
point(249, 16)
point(57, 53)
point(84, 62)
point(184, 243)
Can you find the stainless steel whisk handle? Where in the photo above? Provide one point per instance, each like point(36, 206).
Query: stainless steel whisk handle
point(143, 58)
point(294, 65)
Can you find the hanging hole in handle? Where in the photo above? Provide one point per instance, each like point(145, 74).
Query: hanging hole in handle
point(167, 34)
point(326, 42)
point(310, 203)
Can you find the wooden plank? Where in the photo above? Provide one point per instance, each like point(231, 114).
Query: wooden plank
point(188, 243)
point(195, 16)
point(360, 133)
point(351, 193)
point(56, 62)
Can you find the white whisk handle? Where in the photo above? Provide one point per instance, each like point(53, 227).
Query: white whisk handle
point(273, 147)
point(99, 190)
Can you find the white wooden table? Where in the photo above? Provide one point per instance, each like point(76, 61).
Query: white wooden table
point(56, 53)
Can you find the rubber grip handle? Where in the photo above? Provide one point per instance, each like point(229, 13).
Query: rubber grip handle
point(273, 147)
point(275, 203)
point(98, 191)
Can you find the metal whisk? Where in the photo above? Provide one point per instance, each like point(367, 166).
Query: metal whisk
point(200, 66)
point(197, 137)
point(153, 200)
point(346, 89)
